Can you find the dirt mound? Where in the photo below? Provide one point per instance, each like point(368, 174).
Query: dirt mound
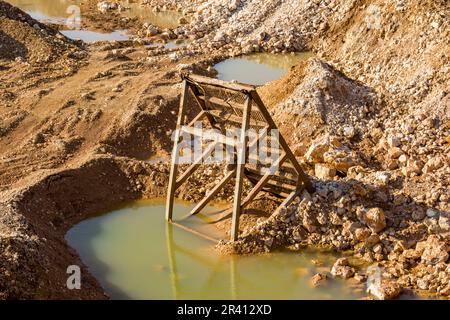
point(373, 118)
point(271, 25)
point(36, 267)
point(33, 48)
point(315, 97)
point(27, 39)
point(397, 47)
point(277, 91)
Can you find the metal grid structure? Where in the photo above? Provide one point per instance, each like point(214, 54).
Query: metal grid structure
point(224, 106)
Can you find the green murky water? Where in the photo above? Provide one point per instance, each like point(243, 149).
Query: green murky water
point(136, 255)
point(258, 68)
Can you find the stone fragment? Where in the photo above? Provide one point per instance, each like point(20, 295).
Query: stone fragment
point(375, 219)
point(317, 149)
point(393, 141)
point(372, 240)
point(431, 213)
point(384, 289)
point(444, 221)
point(324, 172)
point(152, 31)
point(342, 269)
point(395, 153)
point(423, 284)
point(432, 165)
point(382, 177)
point(319, 279)
point(349, 131)
point(445, 291)
point(341, 159)
point(433, 250)
point(361, 234)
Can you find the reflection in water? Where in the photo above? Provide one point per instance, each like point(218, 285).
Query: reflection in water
point(258, 68)
point(135, 254)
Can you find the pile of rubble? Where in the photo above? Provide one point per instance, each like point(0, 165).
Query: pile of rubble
point(368, 211)
point(246, 26)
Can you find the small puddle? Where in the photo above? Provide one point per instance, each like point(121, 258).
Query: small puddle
point(175, 44)
point(91, 36)
point(166, 19)
point(135, 255)
point(258, 68)
point(57, 12)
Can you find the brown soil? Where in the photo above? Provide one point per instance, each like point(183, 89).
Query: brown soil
point(278, 90)
point(69, 147)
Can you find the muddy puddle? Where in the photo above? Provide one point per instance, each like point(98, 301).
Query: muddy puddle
point(163, 19)
point(136, 255)
point(49, 11)
point(61, 11)
point(259, 68)
point(91, 36)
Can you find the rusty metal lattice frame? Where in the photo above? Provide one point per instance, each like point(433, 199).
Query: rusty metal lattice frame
point(252, 113)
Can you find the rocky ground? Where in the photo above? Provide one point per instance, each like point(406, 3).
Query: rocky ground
point(368, 117)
